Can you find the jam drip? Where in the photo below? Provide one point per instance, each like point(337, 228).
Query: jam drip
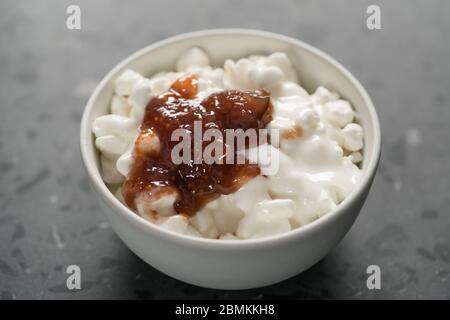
point(154, 173)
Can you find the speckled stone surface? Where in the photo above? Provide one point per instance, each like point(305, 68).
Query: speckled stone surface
point(50, 218)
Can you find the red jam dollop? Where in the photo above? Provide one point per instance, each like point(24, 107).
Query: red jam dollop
point(196, 184)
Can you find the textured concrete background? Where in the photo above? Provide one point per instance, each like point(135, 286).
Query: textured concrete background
point(49, 217)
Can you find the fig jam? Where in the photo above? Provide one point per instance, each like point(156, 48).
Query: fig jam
point(195, 183)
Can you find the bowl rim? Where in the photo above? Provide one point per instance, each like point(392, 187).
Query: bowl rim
point(243, 244)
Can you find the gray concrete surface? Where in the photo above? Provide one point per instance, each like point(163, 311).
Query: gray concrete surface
point(49, 217)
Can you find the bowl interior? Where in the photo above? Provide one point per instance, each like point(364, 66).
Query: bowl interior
point(313, 67)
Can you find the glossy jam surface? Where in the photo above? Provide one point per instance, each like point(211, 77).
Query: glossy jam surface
point(196, 184)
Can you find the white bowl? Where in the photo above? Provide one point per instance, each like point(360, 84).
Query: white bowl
point(235, 264)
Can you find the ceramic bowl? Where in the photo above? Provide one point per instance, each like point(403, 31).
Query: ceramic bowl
point(235, 264)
